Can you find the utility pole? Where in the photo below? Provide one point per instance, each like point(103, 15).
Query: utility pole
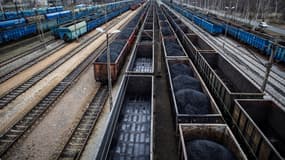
point(1, 7)
point(269, 66)
point(109, 72)
point(75, 20)
point(227, 22)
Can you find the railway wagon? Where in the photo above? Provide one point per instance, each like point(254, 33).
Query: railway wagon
point(254, 39)
point(208, 142)
point(129, 134)
point(261, 42)
point(210, 27)
point(225, 81)
point(72, 32)
point(142, 57)
point(179, 27)
point(190, 99)
point(261, 123)
point(142, 60)
point(195, 46)
point(10, 23)
point(31, 12)
point(17, 33)
point(171, 45)
point(118, 50)
point(50, 21)
point(135, 6)
point(172, 48)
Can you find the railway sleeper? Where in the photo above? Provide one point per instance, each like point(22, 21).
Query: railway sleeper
point(10, 95)
point(4, 143)
point(82, 129)
point(75, 145)
point(81, 134)
point(77, 140)
point(16, 130)
point(71, 152)
point(89, 113)
point(20, 127)
point(86, 123)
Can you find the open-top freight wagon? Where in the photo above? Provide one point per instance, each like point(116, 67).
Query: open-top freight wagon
point(129, 134)
point(208, 142)
point(261, 123)
point(263, 43)
point(119, 49)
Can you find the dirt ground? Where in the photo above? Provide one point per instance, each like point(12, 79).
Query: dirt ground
point(48, 136)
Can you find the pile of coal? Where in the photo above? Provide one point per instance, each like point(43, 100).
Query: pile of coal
point(166, 31)
point(202, 149)
point(190, 101)
point(190, 98)
point(125, 34)
point(180, 69)
point(173, 48)
point(184, 81)
point(115, 49)
point(161, 17)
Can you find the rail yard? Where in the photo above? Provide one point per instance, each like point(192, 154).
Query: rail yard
point(138, 79)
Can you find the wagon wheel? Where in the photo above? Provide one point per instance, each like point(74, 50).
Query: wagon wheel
point(66, 38)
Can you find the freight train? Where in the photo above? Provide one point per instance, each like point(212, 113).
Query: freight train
point(253, 129)
point(17, 28)
point(28, 13)
point(74, 31)
point(254, 121)
point(130, 134)
point(198, 120)
point(264, 44)
point(118, 50)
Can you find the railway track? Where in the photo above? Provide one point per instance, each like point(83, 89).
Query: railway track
point(252, 68)
point(31, 62)
point(11, 136)
point(11, 95)
point(19, 44)
point(77, 141)
point(276, 83)
point(26, 52)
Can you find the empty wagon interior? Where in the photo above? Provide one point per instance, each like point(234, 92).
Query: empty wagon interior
point(199, 43)
point(269, 118)
point(231, 77)
point(143, 58)
point(132, 137)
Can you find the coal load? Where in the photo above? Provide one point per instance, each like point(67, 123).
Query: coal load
point(125, 34)
point(161, 17)
point(186, 82)
point(131, 24)
point(190, 101)
point(173, 48)
point(202, 149)
point(115, 49)
point(166, 32)
point(180, 69)
point(184, 28)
